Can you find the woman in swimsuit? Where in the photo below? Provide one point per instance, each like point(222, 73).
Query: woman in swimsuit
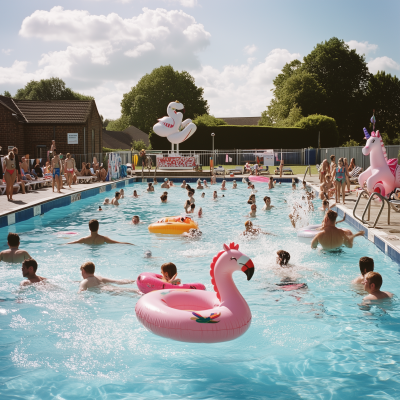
point(10, 174)
point(340, 180)
point(324, 171)
point(352, 164)
point(69, 168)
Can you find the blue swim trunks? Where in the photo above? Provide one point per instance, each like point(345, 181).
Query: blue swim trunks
point(56, 171)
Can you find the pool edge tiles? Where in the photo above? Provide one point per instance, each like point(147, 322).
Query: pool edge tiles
point(371, 234)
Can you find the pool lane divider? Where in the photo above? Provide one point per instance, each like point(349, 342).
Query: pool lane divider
point(47, 205)
point(373, 235)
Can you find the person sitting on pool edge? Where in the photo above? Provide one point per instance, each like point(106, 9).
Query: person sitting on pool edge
point(372, 284)
point(29, 268)
point(92, 280)
point(169, 273)
point(14, 255)
point(331, 237)
point(95, 238)
point(114, 201)
point(283, 258)
point(165, 184)
point(366, 265)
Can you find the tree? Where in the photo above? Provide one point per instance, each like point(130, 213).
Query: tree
point(118, 124)
point(208, 120)
point(138, 145)
point(320, 123)
point(350, 143)
point(48, 89)
point(384, 97)
point(7, 93)
point(344, 76)
point(295, 115)
point(148, 100)
point(106, 122)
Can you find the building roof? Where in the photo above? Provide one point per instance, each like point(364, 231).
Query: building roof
point(49, 112)
point(123, 139)
point(242, 120)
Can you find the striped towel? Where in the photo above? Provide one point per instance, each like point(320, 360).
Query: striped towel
point(356, 171)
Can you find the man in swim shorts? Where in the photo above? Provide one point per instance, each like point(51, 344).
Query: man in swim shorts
point(366, 265)
point(114, 201)
point(29, 268)
point(372, 284)
point(94, 237)
point(14, 255)
point(92, 280)
point(56, 168)
point(331, 237)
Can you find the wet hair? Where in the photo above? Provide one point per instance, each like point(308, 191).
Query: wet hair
point(266, 198)
point(248, 223)
point(284, 257)
point(375, 278)
point(332, 157)
point(164, 197)
point(13, 239)
point(88, 267)
point(93, 225)
point(149, 184)
point(30, 262)
point(166, 193)
point(117, 194)
point(293, 185)
point(170, 269)
point(325, 202)
point(332, 215)
point(136, 217)
point(367, 264)
point(253, 207)
point(187, 204)
point(192, 206)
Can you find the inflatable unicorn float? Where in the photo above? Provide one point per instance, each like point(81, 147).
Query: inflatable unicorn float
point(199, 316)
point(383, 176)
point(172, 127)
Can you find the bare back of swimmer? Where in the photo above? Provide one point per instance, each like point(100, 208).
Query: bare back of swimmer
point(331, 237)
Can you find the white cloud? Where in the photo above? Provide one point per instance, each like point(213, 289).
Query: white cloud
point(362, 47)
point(382, 64)
point(7, 52)
point(250, 49)
point(242, 90)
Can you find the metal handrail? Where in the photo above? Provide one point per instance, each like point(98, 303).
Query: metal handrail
point(368, 208)
point(307, 169)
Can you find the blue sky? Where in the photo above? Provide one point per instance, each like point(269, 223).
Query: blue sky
point(233, 49)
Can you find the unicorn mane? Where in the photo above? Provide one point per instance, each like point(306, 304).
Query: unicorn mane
point(214, 261)
point(377, 134)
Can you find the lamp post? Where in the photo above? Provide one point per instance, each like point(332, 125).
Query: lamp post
point(212, 158)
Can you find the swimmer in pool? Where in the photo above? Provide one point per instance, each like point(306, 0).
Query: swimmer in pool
point(325, 205)
point(202, 195)
point(135, 194)
point(234, 186)
point(150, 187)
point(114, 201)
point(147, 254)
point(191, 198)
point(183, 184)
point(164, 198)
point(29, 268)
point(92, 280)
point(191, 210)
point(331, 237)
point(215, 195)
point(252, 199)
point(171, 183)
point(293, 186)
point(106, 202)
point(200, 214)
point(253, 210)
point(249, 185)
point(165, 184)
point(199, 185)
point(271, 183)
point(205, 184)
point(253, 189)
point(372, 284)
point(94, 237)
point(135, 220)
point(366, 265)
point(304, 185)
point(213, 180)
point(250, 230)
point(100, 209)
point(223, 187)
point(186, 206)
point(192, 233)
point(155, 181)
point(267, 205)
point(14, 255)
point(169, 274)
point(122, 193)
point(282, 258)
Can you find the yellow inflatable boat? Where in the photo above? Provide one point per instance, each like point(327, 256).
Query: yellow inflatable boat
point(173, 225)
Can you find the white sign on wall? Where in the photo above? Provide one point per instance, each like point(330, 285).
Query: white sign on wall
point(72, 138)
point(269, 158)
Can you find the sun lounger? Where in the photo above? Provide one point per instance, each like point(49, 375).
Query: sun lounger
point(287, 170)
point(236, 170)
point(3, 187)
point(84, 179)
point(354, 174)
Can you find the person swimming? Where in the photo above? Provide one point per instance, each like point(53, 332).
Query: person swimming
point(366, 265)
point(183, 184)
point(271, 183)
point(164, 198)
point(282, 258)
point(29, 268)
point(253, 210)
point(169, 273)
point(200, 213)
point(150, 187)
point(250, 230)
point(135, 220)
point(234, 185)
point(122, 193)
point(215, 195)
point(147, 254)
point(106, 201)
point(199, 185)
point(252, 199)
point(135, 194)
point(372, 285)
point(114, 201)
point(193, 233)
point(203, 194)
point(165, 184)
point(223, 187)
point(205, 184)
point(14, 254)
point(267, 205)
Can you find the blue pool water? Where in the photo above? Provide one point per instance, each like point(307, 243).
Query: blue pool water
point(319, 343)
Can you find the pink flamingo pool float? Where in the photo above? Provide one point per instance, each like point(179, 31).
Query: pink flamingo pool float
point(255, 178)
point(383, 176)
point(199, 316)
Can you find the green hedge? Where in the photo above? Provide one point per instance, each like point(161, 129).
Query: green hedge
point(247, 137)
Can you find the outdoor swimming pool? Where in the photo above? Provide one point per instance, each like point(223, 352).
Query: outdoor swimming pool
point(317, 343)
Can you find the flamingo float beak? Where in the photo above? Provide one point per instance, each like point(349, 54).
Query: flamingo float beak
point(248, 266)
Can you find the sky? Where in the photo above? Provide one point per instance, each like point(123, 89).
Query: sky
point(233, 49)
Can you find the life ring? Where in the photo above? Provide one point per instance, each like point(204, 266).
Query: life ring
point(173, 225)
point(148, 282)
point(65, 234)
point(309, 231)
point(196, 315)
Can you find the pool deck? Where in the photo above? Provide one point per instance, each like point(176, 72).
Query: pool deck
point(386, 236)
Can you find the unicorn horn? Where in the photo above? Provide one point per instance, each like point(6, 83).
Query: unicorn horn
point(367, 135)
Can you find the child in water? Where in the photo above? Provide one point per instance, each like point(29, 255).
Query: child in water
point(169, 273)
point(282, 258)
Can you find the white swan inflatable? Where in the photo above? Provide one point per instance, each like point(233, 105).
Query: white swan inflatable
point(172, 126)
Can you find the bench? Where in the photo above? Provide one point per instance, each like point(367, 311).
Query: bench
point(237, 171)
point(287, 170)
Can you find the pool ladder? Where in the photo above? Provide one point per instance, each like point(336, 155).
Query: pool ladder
point(305, 173)
point(368, 208)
